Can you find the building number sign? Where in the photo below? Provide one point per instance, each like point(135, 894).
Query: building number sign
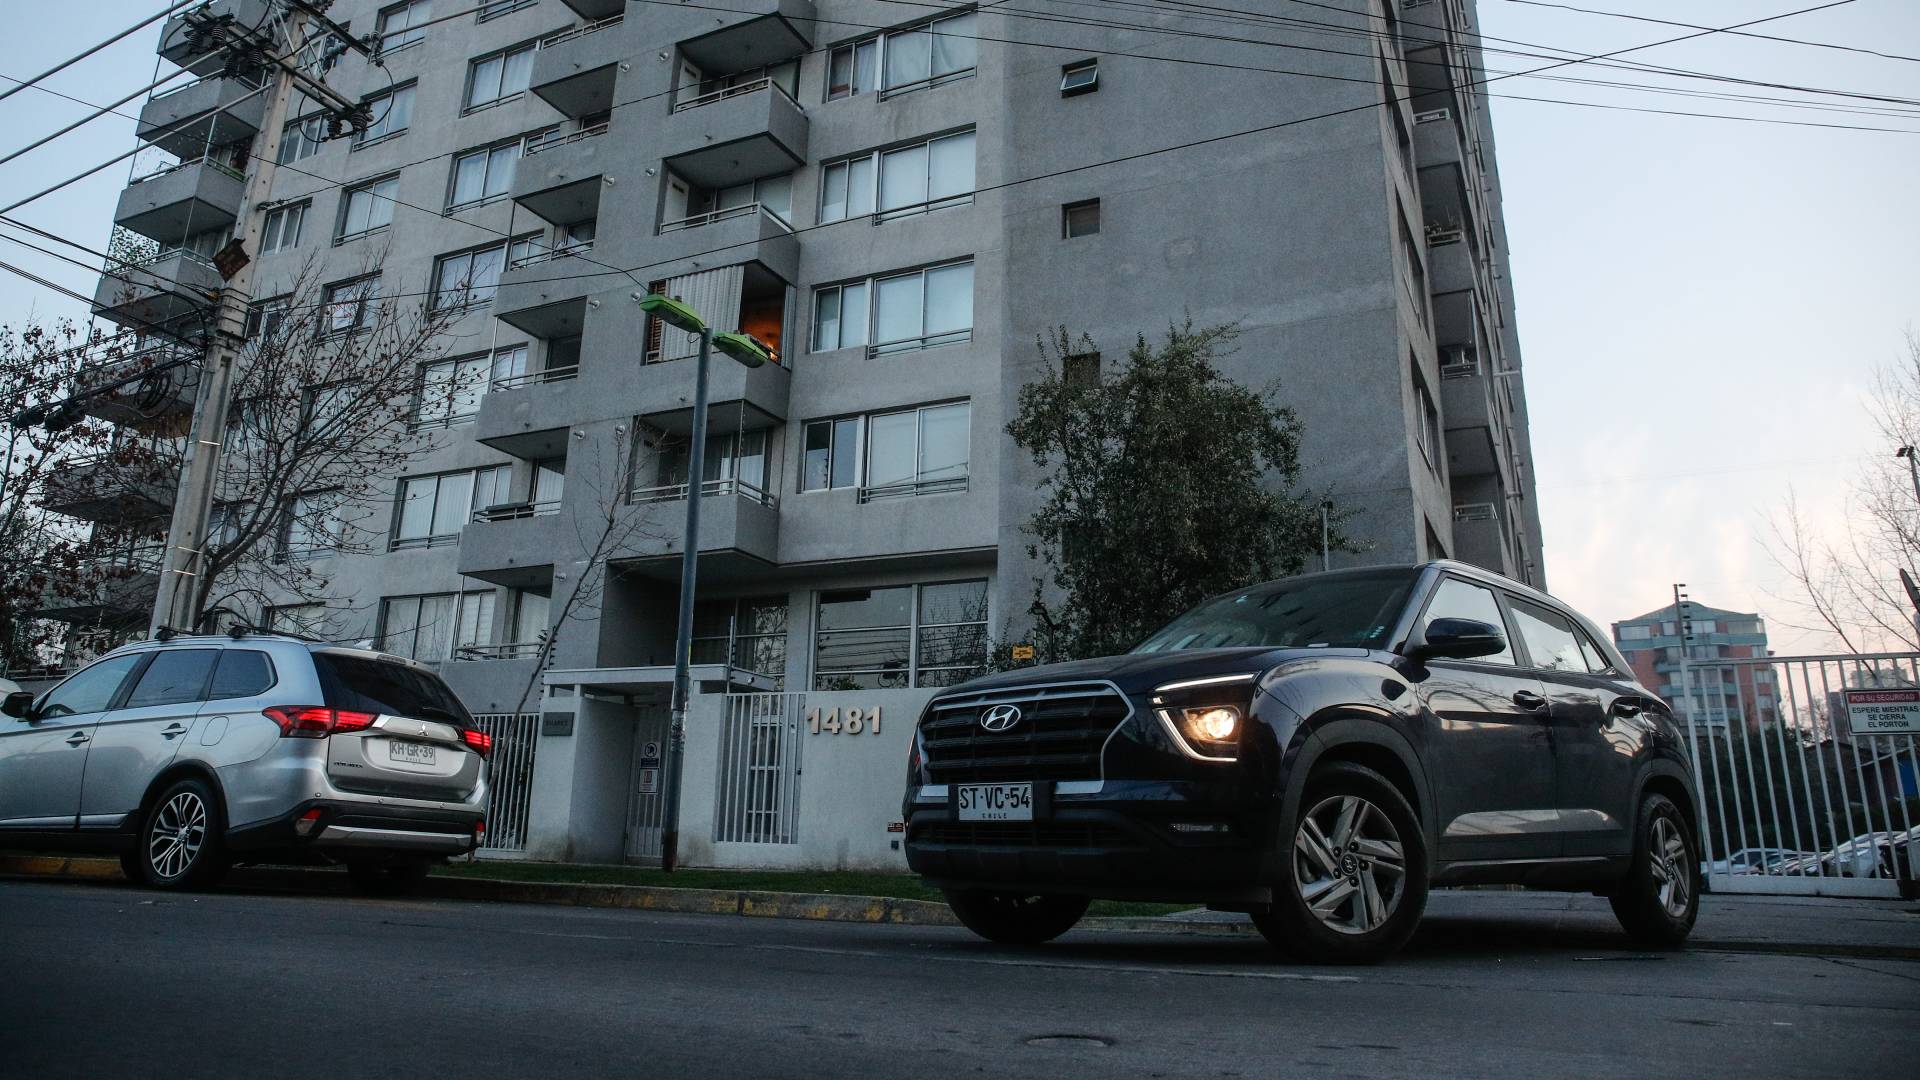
point(855, 721)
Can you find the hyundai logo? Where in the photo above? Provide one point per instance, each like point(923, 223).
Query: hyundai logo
point(1000, 717)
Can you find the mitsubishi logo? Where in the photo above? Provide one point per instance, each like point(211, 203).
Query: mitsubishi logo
point(423, 729)
point(1000, 717)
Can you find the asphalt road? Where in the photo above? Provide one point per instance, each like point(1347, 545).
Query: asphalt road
point(108, 981)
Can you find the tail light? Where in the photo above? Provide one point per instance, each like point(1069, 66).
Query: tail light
point(481, 742)
point(316, 721)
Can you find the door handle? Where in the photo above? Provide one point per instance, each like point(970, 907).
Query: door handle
point(79, 738)
point(1527, 699)
point(1625, 709)
point(173, 729)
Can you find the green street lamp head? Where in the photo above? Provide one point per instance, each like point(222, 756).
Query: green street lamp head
point(746, 348)
point(673, 313)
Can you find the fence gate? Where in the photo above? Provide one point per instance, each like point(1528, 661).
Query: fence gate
point(1807, 771)
point(510, 780)
point(645, 805)
point(757, 796)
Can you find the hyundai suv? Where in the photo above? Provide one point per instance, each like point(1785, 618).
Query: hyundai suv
point(1317, 752)
point(192, 753)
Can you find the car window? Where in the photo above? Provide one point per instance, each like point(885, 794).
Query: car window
point(1596, 660)
point(365, 684)
point(1550, 638)
point(241, 673)
point(1457, 599)
point(175, 676)
point(89, 691)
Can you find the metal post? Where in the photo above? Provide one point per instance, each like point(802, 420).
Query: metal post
point(1326, 554)
point(683, 638)
point(1693, 739)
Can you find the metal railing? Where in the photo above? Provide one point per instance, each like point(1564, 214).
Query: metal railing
point(251, 82)
point(516, 738)
point(909, 488)
point(727, 92)
point(206, 159)
point(531, 378)
point(506, 650)
point(727, 214)
point(925, 341)
point(1797, 793)
point(547, 255)
point(675, 492)
point(757, 791)
point(517, 510)
point(582, 30)
point(928, 206)
point(584, 133)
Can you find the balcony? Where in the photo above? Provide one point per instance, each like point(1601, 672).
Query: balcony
point(1480, 536)
point(186, 121)
point(172, 285)
point(106, 487)
point(162, 400)
point(575, 69)
point(1438, 137)
point(770, 31)
point(596, 9)
point(528, 416)
point(516, 551)
point(737, 134)
point(548, 297)
point(177, 39)
point(110, 589)
point(749, 233)
point(739, 531)
point(560, 179)
point(181, 200)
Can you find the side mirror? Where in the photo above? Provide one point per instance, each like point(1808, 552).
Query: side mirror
point(18, 704)
point(1459, 639)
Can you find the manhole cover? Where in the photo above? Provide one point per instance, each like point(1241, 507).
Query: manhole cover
point(1071, 1042)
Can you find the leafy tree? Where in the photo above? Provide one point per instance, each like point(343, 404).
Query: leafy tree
point(1166, 483)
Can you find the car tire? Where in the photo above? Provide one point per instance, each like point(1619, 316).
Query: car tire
point(1659, 899)
point(386, 878)
point(1016, 919)
point(180, 841)
point(1357, 905)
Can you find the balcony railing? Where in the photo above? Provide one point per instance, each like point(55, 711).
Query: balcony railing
point(546, 144)
point(251, 81)
point(726, 214)
point(909, 488)
point(532, 508)
point(676, 492)
point(531, 378)
point(725, 93)
point(205, 159)
point(582, 30)
point(509, 650)
point(925, 341)
point(547, 255)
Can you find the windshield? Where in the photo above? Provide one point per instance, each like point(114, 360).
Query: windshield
point(1355, 610)
point(363, 684)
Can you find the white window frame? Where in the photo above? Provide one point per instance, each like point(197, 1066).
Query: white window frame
point(380, 195)
point(895, 39)
point(876, 167)
point(862, 449)
point(302, 146)
point(872, 288)
point(914, 629)
point(501, 95)
point(341, 296)
point(518, 146)
point(471, 608)
point(398, 100)
point(409, 12)
point(1080, 77)
point(397, 542)
point(276, 234)
point(448, 391)
point(470, 295)
point(299, 540)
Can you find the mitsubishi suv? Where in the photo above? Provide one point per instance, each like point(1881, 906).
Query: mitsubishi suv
point(189, 754)
point(1317, 752)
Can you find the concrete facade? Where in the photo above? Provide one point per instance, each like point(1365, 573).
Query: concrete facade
point(1354, 234)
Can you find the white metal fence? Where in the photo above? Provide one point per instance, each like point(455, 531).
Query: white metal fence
point(510, 778)
point(1796, 796)
point(757, 798)
point(646, 806)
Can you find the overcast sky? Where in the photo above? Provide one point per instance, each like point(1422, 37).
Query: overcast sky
point(1701, 301)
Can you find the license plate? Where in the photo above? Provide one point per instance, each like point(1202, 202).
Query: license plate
point(412, 753)
point(996, 802)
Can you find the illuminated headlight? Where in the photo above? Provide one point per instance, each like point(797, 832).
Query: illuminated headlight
point(1214, 724)
point(1205, 716)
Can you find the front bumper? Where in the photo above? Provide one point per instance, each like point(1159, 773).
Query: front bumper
point(352, 828)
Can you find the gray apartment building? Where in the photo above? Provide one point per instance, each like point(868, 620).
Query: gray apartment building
point(900, 198)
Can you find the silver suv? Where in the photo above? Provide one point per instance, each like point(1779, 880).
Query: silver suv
point(192, 753)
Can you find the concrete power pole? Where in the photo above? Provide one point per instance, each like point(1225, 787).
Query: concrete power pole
point(177, 605)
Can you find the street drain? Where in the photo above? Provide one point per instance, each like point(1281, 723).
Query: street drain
point(1071, 1042)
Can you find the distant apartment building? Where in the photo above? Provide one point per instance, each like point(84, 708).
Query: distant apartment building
point(899, 198)
point(1717, 690)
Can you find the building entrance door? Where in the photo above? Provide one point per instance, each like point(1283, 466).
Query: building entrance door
point(644, 802)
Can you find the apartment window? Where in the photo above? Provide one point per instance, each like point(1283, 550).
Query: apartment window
point(918, 451)
point(470, 278)
point(283, 227)
point(910, 59)
point(530, 616)
point(301, 620)
point(900, 636)
point(400, 25)
point(367, 208)
point(922, 176)
point(914, 310)
point(509, 366)
point(314, 527)
point(392, 113)
point(497, 8)
point(301, 139)
point(853, 69)
point(1428, 420)
point(1413, 273)
point(755, 626)
point(735, 459)
point(1080, 219)
point(437, 625)
point(350, 305)
point(433, 509)
point(450, 390)
point(1082, 77)
point(1636, 632)
point(484, 174)
point(266, 318)
point(496, 78)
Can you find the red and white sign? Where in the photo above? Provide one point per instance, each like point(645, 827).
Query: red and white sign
point(1884, 712)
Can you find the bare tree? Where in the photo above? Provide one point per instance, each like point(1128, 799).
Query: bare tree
point(1846, 581)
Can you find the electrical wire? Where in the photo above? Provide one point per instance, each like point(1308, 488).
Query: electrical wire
point(72, 60)
point(1736, 33)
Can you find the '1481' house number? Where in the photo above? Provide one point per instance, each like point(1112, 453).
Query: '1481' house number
point(855, 721)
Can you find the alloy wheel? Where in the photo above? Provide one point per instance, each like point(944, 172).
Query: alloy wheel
point(1667, 859)
point(1349, 864)
point(178, 830)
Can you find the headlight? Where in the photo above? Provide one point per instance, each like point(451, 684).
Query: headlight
point(1205, 716)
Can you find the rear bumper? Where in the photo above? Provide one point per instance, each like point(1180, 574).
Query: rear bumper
point(344, 828)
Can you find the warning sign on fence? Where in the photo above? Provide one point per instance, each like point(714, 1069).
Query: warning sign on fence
point(1884, 712)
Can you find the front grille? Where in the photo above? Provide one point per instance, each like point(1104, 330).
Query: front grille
point(1034, 834)
point(1059, 736)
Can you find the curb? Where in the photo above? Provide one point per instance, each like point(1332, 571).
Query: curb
point(816, 907)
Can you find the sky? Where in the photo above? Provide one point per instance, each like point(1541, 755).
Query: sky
point(1701, 302)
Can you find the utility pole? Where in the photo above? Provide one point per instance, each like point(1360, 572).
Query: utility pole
point(177, 605)
point(1683, 624)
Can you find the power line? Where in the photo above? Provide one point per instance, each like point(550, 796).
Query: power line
point(1736, 33)
point(72, 60)
point(99, 111)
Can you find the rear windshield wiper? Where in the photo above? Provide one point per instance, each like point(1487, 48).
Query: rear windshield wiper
point(437, 712)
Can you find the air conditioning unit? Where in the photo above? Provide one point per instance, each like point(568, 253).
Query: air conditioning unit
point(1459, 362)
point(1432, 116)
point(1442, 232)
point(1473, 512)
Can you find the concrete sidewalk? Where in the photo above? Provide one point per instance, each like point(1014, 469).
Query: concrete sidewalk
point(1455, 920)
